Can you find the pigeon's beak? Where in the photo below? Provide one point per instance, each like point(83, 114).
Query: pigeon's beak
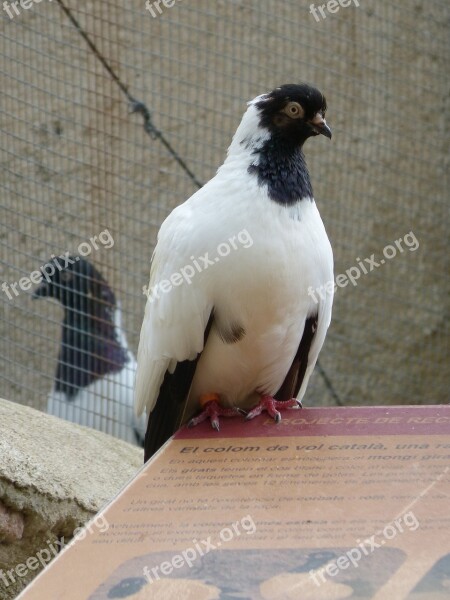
point(319, 125)
point(42, 291)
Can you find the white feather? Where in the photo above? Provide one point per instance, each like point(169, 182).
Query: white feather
point(262, 288)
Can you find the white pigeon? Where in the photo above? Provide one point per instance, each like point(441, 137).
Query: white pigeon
point(229, 321)
point(94, 382)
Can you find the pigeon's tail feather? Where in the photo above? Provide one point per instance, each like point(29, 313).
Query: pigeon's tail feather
point(160, 425)
point(167, 414)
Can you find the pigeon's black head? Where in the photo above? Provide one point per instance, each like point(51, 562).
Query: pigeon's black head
point(90, 347)
point(74, 282)
point(293, 113)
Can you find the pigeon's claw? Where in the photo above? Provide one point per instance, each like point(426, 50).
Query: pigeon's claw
point(269, 404)
point(212, 410)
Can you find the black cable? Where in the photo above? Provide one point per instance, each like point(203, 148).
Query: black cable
point(136, 105)
point(328, 384)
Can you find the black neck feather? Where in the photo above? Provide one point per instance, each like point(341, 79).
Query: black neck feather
point(282, 167)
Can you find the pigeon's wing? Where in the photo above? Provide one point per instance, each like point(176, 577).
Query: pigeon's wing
point(296, 374)
point(176, 323)
point(311, 342)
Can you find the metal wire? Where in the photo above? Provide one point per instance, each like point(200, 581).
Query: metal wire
point(76, 161)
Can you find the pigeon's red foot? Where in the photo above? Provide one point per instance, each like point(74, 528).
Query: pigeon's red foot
point(270, 405)
point(212, 411)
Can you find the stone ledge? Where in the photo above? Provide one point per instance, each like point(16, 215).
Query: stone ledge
point(54, 476)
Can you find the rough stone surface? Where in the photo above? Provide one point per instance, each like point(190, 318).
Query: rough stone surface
point(11, 524)
point(54, 476)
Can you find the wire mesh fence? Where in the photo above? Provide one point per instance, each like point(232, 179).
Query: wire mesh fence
point(77, 161)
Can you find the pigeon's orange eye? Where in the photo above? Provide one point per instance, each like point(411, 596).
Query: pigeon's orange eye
point(294, 110)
